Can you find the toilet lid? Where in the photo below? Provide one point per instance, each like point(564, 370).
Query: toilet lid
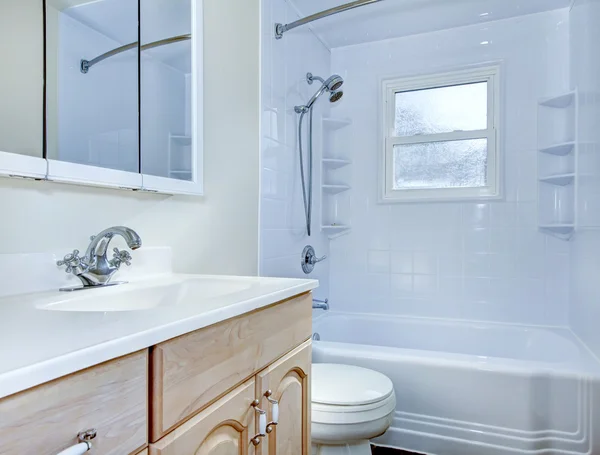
point(348, 385)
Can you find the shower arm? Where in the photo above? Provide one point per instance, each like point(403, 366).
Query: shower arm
point(280, 29)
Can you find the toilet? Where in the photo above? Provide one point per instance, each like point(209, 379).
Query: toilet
point(350, 406)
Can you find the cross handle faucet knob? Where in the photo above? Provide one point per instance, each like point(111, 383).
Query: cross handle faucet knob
point(72, 261)
point(121, 257)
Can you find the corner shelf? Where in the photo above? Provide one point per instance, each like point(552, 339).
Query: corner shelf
point(336, 230)
point(558, 164)
point(335, 163)
point(335, 189)
point(180, 156)
point(559, 149)
point(562, 231)
point(181, 140)
point(559, 101)
point(559, 179)
point(332, 124)
point(335, 172)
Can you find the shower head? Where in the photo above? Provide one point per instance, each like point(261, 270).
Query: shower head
point(336, 96)
point(331, 85)
point(334, 83)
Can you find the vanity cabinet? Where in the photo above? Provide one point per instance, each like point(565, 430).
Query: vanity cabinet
point(288, 382)
point(229, 425)
point(191, 371)
point(111, 398)
point(225, 427)
point(215, 391)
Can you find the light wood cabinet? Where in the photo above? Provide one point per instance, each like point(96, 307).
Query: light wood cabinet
point(198, 394)
point(191, 371)
point(288, 381)
point(111, 398)
point(224, 428)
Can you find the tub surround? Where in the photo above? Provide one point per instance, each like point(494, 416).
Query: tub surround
point(473, 388)
point(42, 345)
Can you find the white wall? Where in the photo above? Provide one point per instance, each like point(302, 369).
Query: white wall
point(482, 261)
point(214, 234)
point(585, 248)
point(283, 227)
point(21, 79)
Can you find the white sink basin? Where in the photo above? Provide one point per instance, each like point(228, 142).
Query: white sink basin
point(147, 295)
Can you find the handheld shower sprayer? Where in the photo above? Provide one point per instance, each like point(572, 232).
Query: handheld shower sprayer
point(332, 86)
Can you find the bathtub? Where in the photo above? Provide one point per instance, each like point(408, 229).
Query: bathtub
point(468, 388)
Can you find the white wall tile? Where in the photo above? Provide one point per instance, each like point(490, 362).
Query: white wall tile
point(585, 247)
point(460, 260)
point(282, 219)
point(378, 261)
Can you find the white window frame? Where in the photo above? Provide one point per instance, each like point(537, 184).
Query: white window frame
point(391, 86)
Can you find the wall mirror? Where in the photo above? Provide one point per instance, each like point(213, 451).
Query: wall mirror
point(22, 87)
point(123, 92)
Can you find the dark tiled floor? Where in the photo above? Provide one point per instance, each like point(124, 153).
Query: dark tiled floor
point(386, 451)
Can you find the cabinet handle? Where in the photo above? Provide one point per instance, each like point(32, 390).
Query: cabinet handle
point(78, 449)
point(274, 411)
point(262, 423)
point(84, 444)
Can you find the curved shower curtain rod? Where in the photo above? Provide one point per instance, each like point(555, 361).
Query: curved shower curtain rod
point(87, 64)
point(280, 29)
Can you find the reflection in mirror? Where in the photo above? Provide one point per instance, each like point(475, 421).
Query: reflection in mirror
point(166, 98)
point(92, 82)
point(21, 77)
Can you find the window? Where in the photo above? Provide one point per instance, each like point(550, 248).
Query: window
point(441, 138)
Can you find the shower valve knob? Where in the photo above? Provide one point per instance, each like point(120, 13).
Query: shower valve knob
point(310, 259)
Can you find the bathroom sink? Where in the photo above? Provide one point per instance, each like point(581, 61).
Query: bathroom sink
point(148, 295)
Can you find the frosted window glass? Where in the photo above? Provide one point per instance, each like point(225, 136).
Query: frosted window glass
point(442, 110)
point(450, 164)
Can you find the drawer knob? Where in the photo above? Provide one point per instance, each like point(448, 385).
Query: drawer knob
point(84, 444)
point(262, 423)
point(274, 411)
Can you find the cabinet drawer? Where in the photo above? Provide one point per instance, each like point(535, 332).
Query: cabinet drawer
point(191, 371)
point(225, 427)
point(111, 398)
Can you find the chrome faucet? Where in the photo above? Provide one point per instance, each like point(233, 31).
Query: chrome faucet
point(320, 304)
point(310, 259)
point(94, 268)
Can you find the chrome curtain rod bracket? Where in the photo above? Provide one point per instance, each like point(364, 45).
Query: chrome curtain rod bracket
point(85, 65)
point(280, 29)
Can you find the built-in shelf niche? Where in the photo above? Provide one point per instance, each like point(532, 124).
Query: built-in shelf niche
point(336, 172)
point(180, 156)
point(557, 164)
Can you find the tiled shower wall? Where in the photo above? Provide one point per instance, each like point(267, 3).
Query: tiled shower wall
point(285, 63)
point(585, 247)
point(479, 261)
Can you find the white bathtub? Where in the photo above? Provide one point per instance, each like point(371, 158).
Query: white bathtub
point(474, 388)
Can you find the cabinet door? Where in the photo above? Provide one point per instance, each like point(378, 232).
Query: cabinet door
point(224, 428)
point(288, 380)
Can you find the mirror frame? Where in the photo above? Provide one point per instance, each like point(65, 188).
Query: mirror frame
point(42, 168)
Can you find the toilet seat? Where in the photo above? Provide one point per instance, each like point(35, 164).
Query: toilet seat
point(348, 385)
point(347, 394)
point(333, 414)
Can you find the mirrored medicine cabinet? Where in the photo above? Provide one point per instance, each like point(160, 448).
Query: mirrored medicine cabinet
point(103, 92)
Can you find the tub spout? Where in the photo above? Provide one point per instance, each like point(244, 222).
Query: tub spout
point(320, 304)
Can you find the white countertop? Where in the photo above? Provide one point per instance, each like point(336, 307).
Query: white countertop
point(37, 346)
